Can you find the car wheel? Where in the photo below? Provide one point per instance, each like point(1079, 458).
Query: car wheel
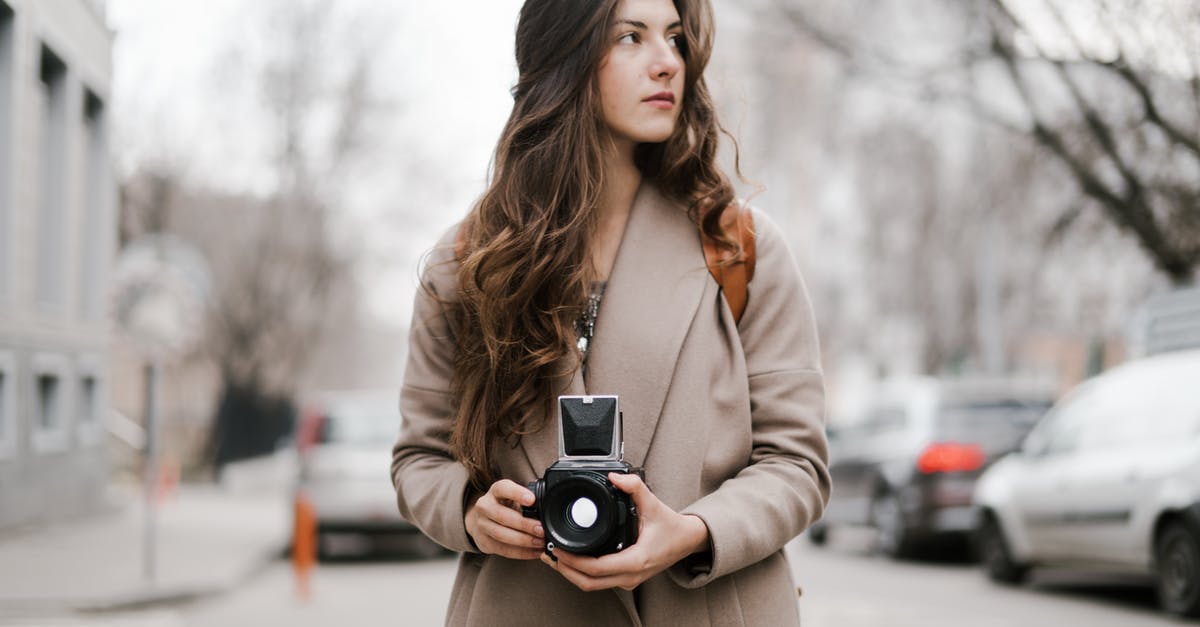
point(995, 556)
point(1178, 557)
point(892, 536)
point(818, 534)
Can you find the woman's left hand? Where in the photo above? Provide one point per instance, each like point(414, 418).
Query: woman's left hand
point(664, 537)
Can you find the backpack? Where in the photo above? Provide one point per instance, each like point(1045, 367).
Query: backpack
point(734, 279)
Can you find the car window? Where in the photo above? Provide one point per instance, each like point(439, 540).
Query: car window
point(996, 425)
point(1141, 408)
point(361, 426)
point(884, 420)
point(1062, 429)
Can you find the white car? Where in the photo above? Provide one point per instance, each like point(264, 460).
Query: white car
point(345, 443)
point(1110, 480)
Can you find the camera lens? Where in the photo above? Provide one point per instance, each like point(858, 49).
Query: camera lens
point(583, 512)
point(580, 512)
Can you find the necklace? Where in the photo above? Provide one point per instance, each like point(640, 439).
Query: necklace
point(585, 326)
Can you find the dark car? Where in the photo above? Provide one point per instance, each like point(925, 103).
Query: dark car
point(908, 468)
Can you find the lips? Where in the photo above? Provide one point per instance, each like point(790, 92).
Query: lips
point(665, 97)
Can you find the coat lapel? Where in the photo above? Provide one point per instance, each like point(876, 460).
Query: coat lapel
point(541, 447)
point(652, 296)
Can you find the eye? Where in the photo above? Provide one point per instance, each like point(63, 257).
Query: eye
point(676, 40)
point(630, 37)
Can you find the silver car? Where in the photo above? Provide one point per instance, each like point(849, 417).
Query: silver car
point(1109, 480)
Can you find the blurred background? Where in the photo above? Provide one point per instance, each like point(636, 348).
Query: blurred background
point(212, 217)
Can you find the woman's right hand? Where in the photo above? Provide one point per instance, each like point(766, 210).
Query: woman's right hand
point(495, 523)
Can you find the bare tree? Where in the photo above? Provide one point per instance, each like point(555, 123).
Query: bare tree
point(270, 313)
point(1118, 106)
point(947, 237)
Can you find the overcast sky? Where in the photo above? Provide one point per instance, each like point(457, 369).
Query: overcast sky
point(452, 70)
point(449, 66)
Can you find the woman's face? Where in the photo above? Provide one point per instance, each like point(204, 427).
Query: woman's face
point(641, 76)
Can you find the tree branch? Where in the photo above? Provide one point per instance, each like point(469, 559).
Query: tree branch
point(1131, 211)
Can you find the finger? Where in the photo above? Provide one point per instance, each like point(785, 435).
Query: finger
point(583, 581)
point(514, 520)
point(508, 489)
point(513, 552)
point(629, 483)
point(509, 536)
point(633, 485)
point(626, 562)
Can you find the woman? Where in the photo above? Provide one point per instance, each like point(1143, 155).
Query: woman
point(581, 271)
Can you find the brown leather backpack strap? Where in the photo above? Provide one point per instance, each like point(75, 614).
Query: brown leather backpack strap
point(734, 278)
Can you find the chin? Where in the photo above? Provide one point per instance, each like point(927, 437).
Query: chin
point(655, 136)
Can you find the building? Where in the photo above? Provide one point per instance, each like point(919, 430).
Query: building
point(57, 237)
point(1168, 322)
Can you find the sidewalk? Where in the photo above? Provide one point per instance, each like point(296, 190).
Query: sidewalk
point(210, 538)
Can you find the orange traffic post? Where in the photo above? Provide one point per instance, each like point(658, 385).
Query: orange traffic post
point(304, 544)
point(168, 480)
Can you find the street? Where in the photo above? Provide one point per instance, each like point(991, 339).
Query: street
point(844, 585)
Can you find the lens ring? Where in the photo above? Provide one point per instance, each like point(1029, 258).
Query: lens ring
point(566, 531)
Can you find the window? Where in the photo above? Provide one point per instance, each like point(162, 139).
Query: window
point(94, 236)
point(1061, 430)
point(885, 419)
point(1146, 406)
point(87, 400)
point(52, 105)
point(49, 413)
point(7, 53)
point(8, 406)
point(49, 403)
point(90, 399)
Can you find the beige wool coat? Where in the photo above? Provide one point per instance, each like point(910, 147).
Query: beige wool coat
point(726, 418)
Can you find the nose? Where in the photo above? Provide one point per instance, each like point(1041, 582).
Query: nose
point(666, 62)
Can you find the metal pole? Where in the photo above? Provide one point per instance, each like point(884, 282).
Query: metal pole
point(150, 470)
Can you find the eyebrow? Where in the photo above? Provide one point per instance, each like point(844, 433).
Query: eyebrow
point(642, 25)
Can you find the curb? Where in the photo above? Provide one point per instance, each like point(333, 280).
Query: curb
point(144, 598)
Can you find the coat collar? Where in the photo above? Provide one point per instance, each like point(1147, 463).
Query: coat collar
point(652, 296)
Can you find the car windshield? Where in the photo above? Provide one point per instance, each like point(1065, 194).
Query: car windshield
point(361, 424)
point(997, 426)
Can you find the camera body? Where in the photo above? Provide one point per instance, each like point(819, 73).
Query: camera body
point(580, 510)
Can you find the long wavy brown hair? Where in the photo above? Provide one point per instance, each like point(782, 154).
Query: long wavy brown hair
point(525, 268)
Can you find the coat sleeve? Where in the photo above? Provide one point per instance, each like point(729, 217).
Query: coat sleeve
point(430, 484)
point(785, 485)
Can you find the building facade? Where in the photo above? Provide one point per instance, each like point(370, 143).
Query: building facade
point(58, 229)
point(1168, 322)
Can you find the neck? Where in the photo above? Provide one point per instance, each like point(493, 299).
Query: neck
point(621, 180)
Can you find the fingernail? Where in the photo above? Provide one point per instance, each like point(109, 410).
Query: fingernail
point(537, 529)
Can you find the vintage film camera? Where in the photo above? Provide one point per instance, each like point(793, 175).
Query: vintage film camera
point(580, 509)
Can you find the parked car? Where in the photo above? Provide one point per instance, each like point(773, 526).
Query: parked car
point(908, 469)
point(1109, 480)
point(345, 443)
